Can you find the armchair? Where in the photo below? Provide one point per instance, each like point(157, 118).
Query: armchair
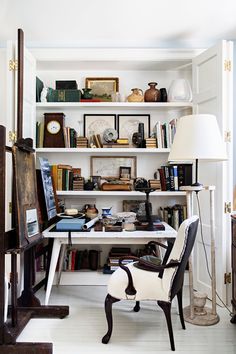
point(139, 281)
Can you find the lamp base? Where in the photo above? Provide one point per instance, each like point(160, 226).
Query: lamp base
point(205, 319)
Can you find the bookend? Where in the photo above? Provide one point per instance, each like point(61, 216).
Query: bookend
point(28, 305)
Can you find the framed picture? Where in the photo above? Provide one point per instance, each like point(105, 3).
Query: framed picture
point(96, 124)
point(97, 182)
point(136, 206)
point(102, 87)
point(109, 166)
point(127, 125)
point(125, 172)
point(48, 191)
point(26, 199)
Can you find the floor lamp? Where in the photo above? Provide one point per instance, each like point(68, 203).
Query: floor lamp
point(198, 138)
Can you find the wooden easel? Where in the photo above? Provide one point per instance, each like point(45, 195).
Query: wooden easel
point(28, 305)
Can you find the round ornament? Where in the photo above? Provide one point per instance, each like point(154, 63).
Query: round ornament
point(110, 135)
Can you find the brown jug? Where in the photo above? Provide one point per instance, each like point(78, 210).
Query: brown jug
point(136, 95)
point(91, 211)
point(152, 94)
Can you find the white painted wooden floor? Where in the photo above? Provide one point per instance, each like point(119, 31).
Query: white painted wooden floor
point(141, 333)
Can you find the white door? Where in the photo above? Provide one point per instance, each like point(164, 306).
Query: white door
point(212, 93)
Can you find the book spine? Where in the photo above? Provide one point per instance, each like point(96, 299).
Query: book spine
point(59, 179)
point(162, 179)
point(175, 173)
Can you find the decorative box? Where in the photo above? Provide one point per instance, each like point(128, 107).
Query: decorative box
point(66, 85)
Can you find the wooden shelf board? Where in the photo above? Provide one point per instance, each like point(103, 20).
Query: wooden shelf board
point(103, 150)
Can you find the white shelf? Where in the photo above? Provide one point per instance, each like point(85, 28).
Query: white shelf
point(120, 193)
point(126, 105)
point(103, 150)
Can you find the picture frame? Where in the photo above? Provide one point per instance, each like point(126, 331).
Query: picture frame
point(135, 206)
point(102, 88)
point(127, 125)
point(125, 172)
point(26, 198)
point(48, 191)
point(96, 124)
point(97, 182)
point(109, 166)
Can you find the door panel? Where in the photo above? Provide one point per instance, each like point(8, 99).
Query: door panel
point(211, 94)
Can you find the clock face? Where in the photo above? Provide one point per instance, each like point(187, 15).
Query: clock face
point(53, 127)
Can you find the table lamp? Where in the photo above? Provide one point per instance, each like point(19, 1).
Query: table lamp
point(198, 138)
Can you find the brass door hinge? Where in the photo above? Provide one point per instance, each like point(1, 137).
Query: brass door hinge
point(227, 65)
point(227, 278)
point(12, 136)
point(227, 136)
point(228, 208)
point(13, 65)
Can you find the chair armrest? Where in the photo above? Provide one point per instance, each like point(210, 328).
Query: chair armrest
point(149, 266)
point(130, 290)
point(157, 243)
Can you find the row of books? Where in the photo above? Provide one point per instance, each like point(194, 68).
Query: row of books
point(70, 136)
point(66, 178)
point(165, 133)
point(172, 177)
point(173, 215)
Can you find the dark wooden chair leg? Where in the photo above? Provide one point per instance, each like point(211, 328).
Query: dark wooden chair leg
point(166, 307)
point(137, 306)
point(108, 309)
point(180, 304)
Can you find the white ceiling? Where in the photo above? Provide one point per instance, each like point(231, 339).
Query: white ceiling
point(136, 23)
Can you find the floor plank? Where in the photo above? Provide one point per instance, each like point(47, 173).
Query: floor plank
point(139, 333)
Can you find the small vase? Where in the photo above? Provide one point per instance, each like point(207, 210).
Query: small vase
point(136, 95)
point(91, 211)
point(152, 94)
point(86, 93)
point(163, 95)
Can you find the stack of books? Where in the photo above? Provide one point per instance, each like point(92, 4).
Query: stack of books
point(78, 184)
point(114, 256)
point(154, 183)
point(151, 143)
point(165, 133)
point(81, 142)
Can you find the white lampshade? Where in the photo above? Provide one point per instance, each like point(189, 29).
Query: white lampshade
point(197, 137)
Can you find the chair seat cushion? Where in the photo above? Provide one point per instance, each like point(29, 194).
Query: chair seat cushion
point(153, 289)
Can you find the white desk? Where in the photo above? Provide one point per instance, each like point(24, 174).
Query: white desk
point(97, 237)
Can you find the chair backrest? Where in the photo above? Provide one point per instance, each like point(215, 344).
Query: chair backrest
point(172, 278)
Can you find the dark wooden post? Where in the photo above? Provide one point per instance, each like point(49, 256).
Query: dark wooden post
point(2, 228)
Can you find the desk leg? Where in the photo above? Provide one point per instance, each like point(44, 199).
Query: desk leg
point(61, 260)
point(52, 269)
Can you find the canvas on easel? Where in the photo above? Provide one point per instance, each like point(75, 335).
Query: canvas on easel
point(26, 202)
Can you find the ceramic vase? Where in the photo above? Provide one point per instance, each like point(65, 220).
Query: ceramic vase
point(152, 94)
point(180, 91)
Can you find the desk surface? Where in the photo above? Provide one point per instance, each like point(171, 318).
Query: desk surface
point(100, 236)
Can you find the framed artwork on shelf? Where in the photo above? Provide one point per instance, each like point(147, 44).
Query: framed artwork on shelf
point(109, 166)
point(96, 124)
point(97, 181)
point(135, 206)
point(48, 192)
point(102, 88)
point(127, 125)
